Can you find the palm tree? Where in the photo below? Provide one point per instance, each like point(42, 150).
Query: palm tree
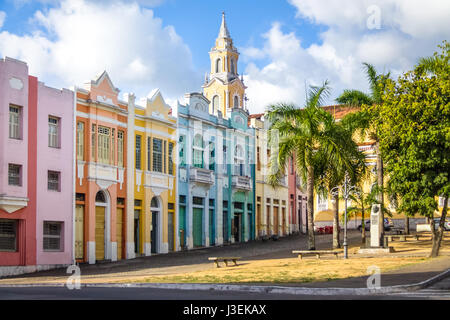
point(333, 173)
point(310, 133)
point(365, 121)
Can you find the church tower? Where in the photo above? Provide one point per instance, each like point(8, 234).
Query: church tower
point(223, 87)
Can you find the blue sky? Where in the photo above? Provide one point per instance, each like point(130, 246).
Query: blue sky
point(284, 44)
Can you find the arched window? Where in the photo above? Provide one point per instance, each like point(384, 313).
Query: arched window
point(100, 197)
point(197, 155)
point(236, 101)
point(218, 65)
point(154, 203)
point(233, 70)
point(215, 105)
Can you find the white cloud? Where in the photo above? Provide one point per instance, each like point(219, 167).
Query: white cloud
point(82, 38)
point(409, 29)
point(2, 18)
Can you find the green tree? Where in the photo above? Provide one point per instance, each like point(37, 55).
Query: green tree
point(415, 138)
point(366, 121)
point(310, 134)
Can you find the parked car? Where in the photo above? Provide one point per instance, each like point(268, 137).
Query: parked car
point(446, 224)
point(387, 225)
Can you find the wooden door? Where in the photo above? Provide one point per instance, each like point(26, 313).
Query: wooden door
point(275, 220)
point(182, 225)
point(170, 234)
point(268, 220)
point(100, 233)
point(154, 234)
point(79, 232)
point(119, 232)
point(283, 217)
point(197, 227)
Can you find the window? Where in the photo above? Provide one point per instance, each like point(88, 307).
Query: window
point(53, 181)
point(239, 161)
point(120, 148)
point(93, 141)
point(79, 197)
point(104, 148)
point(80, 141)
point(212, 156)
point(236, 101)
point(232, 67)
point(258, 159)
point(322, 202)
point(181, 154)
point(197, 201)
point(182, 199)
point(164, 156)
point(53, 132)
point(8, 235)
point(137, 203)
point(218, 65)
point(138, 152)
point(215, 104)
point(157, 155)
point(198, 152)
point(113, 145)
point(14, 175)
point(52, 236)
point(225, 159)
point(14, 122)
point(170, 158)
point(149, 154)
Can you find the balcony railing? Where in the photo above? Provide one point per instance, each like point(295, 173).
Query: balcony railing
point(242, 183)
point(201, 175)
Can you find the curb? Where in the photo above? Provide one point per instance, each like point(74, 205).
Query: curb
point(256, 289)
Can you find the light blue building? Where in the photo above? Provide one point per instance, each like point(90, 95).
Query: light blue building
point(215, 175)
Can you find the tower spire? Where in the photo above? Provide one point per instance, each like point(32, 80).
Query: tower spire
point(224, 33)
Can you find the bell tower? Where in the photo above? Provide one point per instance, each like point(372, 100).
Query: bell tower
point(222, 86)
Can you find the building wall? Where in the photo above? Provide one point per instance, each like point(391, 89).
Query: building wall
point(55, 206)
point(18, 202)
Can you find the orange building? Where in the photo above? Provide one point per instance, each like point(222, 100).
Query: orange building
point(101, 144)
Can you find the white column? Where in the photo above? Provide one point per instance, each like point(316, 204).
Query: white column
point(206, 219)
point(130, 254)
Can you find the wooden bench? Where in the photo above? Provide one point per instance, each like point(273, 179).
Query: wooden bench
point(317, 253)
point(224, 259)
point(397, 230)
point(403, 237)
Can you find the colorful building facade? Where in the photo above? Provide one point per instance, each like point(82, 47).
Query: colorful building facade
point(272, 203)
point(101, 179)
point(36, 165)
point(154, 196)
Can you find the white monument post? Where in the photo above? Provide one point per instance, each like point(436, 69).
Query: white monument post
point(375, 231)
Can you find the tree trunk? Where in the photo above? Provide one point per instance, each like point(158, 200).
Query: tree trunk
point(336, 240)
point(310, 205)
point(437, 234)
point(406, 225)
point(380, 183)
point(363, 225)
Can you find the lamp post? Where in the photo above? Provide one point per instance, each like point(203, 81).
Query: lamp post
point(346, 190)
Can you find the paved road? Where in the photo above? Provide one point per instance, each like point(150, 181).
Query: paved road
point(62, 293)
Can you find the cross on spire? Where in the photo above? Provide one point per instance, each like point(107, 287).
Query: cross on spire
point(224, 33)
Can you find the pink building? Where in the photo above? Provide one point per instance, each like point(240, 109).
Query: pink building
point(297, 201)
point(36, 172)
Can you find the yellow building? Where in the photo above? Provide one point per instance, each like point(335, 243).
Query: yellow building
point(272, 216)
point(323, 206)
point(223, 87)
point(152, 228)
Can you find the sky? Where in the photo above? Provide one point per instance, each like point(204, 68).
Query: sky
point(285, 45)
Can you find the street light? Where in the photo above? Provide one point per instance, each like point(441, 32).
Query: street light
point(346, 190)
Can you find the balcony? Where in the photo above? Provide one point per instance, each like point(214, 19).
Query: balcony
point(242, 183)
point(201, 175)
